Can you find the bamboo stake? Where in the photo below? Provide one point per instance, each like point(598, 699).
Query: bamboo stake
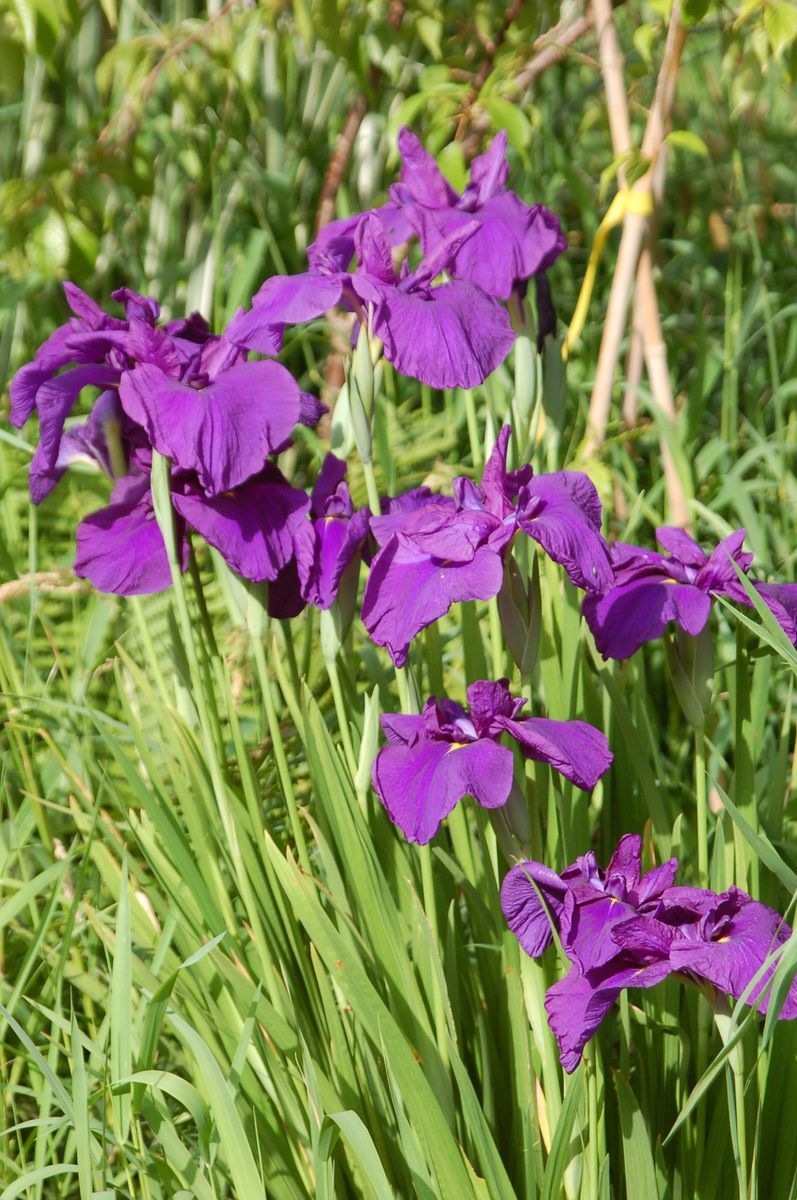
point(635, 260)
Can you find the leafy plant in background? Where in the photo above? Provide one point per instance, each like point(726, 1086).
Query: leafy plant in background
point(227, 970)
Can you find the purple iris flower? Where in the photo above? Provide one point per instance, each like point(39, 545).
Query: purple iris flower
point(87, 345)
point(254, 527)
point(335, 244)
point(221, 418)
point(190, 395)
point(622, 929)
point(446, 335)
point(435, 759)
point(442, 549)
point(327, 547)
point(120, 548)
point(513, 240)
point(651, 589)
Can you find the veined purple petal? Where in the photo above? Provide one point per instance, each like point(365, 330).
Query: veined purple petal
point(513, 241)
point(120, 548)
point(781, 600)
point(628, 616)
point(311, 410)
point(373, 250)
point(577, 1004)
point(680, 545)
point(403, 729)
point(252, 527)
point(55, 399)
point(588, 919)
point(334, 247)
point(224, 431)
point(561, 511)
point(53, 354)
point(500, 487)
point(420, 174)
point(144, 308)
point(575, 1010)
point(407, 590)
point(88, 310)
point(411, 511)
point(452, 337)
point(331, 475)
point(285, 598)
point(719, 575)
point(488, 702)
point(84, 441)
point(488, 171)
point(573, 748)
point(420, 784)
point(527, 917)
point(731, 953)
point(337, 540)
point(626, 861)
point(284, 300)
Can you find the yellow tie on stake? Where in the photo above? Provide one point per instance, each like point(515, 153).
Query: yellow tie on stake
point(626, 201)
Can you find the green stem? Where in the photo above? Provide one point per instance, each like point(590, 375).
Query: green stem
point(473, 432)
point(407, 689)
point(741, 1131)
point(371, 488)
point(496, 639)
point(340, 712)
point(280, 757)
point(204, 614)
point(592, 1109)
point(430, 908)
point(701, 801)
point(290, 651)
point(434, 659)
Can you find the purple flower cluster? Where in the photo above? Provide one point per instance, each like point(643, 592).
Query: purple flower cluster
point(447, 334)
point(649, 589)
point(622, 929)
point(188, 394)
point(436, 550)
point(433, 760)
point(196, 398)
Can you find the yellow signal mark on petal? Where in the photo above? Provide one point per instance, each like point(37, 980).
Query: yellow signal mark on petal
point(456, 746)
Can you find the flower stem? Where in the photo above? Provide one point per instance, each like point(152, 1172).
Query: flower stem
point(430, 908)
point(340, 711)
point(280, 757)
point(592, 1109)
point(371, 487)
point(702, 807)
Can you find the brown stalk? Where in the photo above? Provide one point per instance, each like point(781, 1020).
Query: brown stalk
point(42, 581)
point(548, 50)
point(634, 260)
point(339, 162)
